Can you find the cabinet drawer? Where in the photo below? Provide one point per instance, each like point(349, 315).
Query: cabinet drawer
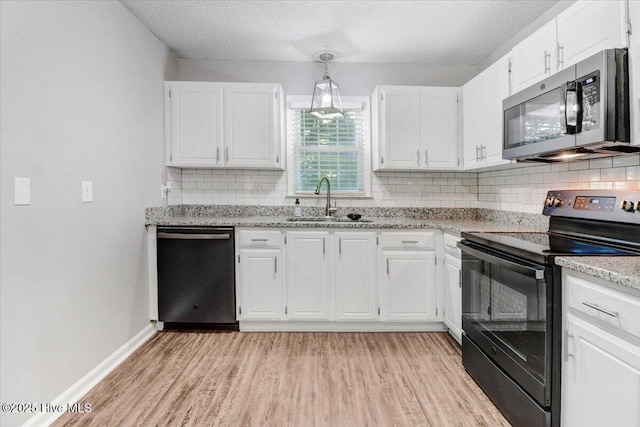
point(408, 240)
point(260, 238)
point(450, 241)
point(607, 305)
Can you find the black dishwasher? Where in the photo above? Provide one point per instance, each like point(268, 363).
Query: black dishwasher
point(196, 277)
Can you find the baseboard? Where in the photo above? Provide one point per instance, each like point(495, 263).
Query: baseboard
point(74, 393)
point(309, 326)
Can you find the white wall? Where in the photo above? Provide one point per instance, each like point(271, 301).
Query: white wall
point(81, 99)
point(297, 78)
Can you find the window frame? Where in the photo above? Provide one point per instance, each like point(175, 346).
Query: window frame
point(297, 102)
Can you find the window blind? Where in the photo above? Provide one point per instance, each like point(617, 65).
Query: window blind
point(331, 147)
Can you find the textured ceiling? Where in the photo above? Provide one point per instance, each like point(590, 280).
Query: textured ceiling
point(428, 31)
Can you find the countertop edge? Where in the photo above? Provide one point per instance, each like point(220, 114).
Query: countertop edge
point(624, 271)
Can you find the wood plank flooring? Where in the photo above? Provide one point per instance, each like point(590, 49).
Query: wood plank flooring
point(290, 379)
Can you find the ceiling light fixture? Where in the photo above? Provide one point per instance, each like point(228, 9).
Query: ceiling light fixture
point(326, 103)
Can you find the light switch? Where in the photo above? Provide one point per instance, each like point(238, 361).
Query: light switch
point(21, 191)
point(87, 191)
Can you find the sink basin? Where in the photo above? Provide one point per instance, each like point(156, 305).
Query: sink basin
point(323, 219)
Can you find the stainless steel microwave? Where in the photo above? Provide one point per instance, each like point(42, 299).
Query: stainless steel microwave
point(581, 111)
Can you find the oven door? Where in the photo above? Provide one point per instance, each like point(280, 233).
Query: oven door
point(506, 313)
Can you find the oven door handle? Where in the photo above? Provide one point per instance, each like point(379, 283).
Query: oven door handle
point(538, 273)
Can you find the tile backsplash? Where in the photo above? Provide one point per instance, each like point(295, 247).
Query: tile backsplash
point(256, 187)
point(523, 189)
point(517, 189)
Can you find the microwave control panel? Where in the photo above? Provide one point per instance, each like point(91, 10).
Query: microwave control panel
point(590, 101)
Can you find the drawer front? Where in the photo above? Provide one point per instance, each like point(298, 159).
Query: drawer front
point(260, 238)
point(450, 241)
point(408, 239)
point(612, 307)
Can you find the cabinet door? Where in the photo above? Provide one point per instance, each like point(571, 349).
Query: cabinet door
point(482, 99)
point(535, 57)
point(440, 127)
point(356, 276)
point(252, 125)
point(260, 284)
point(453, 296)
point(399, 127)
point(587, 27)
point(601, 378)
point(495, 88)
point(409, 285)
point(472, 122)
point(308, 267)
point(194, 123)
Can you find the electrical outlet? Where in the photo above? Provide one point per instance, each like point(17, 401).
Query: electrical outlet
point(164, 190)
point(87, 191)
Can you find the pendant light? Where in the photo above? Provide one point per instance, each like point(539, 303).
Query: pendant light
point(326, 103)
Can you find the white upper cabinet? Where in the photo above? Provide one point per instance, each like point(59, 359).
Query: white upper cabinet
point(583, 29)
point(415, 128)
point(482, 115)
point(399, 127)
point(440, 127)
point(252, 125)
point(588, 27)
point(234, 125)
point(534, 58)
point(193, 123)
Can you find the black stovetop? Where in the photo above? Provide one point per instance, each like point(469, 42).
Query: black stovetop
point(543, 246)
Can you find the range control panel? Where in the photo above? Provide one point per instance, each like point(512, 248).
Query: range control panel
point(608, 205)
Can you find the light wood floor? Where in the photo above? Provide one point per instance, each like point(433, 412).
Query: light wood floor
point(290, 379)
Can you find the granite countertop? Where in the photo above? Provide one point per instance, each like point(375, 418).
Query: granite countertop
point(623, 270)
point(455, 220)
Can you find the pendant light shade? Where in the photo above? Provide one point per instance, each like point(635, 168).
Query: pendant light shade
point(326, 103)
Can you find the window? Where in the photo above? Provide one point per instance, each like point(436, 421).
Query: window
point(337, 148)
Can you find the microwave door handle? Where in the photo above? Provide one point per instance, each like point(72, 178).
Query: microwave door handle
point(563, 110)
point(576, 88)
point(580, 107)
point(537, 273)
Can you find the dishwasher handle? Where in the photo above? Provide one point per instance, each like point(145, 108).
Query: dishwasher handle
point(187, 236)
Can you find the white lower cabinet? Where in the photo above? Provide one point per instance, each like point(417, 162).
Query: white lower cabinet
point(601, 378)
point(356, 279)
point(601, 355)
point(408, 285)
point(259, 274)
point(408, 276)
point(308, 275)
point(313, 279)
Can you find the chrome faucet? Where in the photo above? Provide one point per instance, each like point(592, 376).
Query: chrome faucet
point(328, 210)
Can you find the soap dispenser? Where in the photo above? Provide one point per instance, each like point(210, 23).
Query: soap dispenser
point(298, 210)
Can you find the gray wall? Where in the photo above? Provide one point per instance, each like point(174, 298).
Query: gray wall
point(297, 78)
point(82, 99)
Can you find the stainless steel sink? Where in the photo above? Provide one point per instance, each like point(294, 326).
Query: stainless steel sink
point(324, 219)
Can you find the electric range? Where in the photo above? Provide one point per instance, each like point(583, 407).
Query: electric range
point(512, 297)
